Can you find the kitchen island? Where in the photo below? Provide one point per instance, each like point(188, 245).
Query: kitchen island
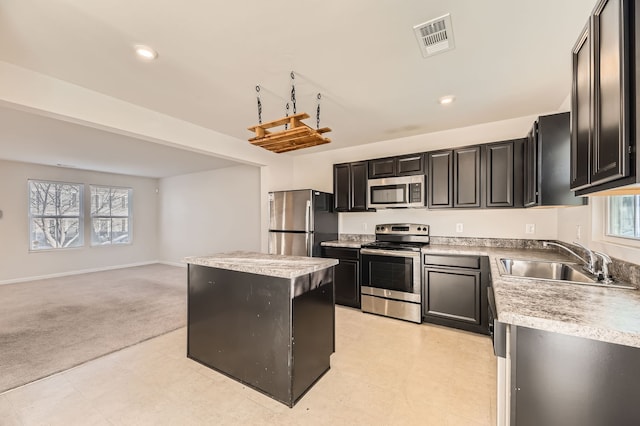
point(265, 320)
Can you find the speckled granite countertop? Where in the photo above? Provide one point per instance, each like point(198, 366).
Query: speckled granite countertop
point(263, 264)
point(342, 243)
point(606, 314)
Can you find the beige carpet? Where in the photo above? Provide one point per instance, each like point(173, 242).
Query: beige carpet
point(51, 325)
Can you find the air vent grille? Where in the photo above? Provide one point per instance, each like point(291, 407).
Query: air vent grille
point(435, 36)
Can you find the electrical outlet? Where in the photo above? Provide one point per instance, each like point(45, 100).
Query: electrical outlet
point(459, 227)
point(578, 232)
point(364, 226)
point(530, 228)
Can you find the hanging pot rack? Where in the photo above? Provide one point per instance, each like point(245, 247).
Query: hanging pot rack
point(296, 134)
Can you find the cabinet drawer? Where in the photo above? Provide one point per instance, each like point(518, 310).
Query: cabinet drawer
point(452, 261)
point(341, 253)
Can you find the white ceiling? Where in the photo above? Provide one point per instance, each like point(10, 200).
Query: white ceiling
point(37, 139)
point(512, 58)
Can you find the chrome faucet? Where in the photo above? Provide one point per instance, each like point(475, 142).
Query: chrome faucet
point(605, 261)
point(589, 265)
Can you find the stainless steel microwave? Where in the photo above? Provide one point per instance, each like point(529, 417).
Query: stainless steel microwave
point(396, 192)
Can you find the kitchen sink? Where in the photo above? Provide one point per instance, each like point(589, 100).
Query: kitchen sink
point(565, 272)
point(557, 271)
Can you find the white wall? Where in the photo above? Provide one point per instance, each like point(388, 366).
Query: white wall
point(484, 223)
point(210, 212)
point(590, 222)
point(315, 171)
point(17, 263)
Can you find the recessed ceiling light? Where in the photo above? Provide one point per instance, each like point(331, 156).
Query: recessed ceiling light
point(445, 100)
point(146, 52)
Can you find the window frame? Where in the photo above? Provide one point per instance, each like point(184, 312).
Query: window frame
point(79, 216)
point(607, 225)
point(111, 217)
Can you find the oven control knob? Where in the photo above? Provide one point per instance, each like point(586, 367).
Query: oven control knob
point(419, 229)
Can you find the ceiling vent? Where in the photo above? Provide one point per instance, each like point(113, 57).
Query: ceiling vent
point(435, 36)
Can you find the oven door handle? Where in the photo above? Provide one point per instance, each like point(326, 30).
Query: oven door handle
point(394, 253)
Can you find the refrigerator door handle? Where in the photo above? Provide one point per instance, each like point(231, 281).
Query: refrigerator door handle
point(269, 210)
point(307, 224)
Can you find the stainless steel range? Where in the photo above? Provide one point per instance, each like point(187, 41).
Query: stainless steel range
point(391, 271)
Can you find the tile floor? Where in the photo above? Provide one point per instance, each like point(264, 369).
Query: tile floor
point(384, 372)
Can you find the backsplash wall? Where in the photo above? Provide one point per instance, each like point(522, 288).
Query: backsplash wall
point(485, 223)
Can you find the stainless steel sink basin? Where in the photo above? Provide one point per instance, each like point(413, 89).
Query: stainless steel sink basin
point(557, 271)
point(566, 272)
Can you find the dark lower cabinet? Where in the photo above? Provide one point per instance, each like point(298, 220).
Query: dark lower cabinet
point(455, 291)
point(572, 381)
point(347, 274)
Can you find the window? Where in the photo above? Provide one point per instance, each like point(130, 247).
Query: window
point(55, 215)
point(623, 215)
point(110, 215)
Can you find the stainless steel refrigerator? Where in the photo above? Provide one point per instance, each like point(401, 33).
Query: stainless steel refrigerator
point(300, 220)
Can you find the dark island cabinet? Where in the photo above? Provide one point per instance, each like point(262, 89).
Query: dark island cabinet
point(404, 165)
point(347, 274)
point(566, 380)
point(604, 99)
point(455, 291)
point(504, 173)
point(270, 333)
point(547, 163)
point(350, 186)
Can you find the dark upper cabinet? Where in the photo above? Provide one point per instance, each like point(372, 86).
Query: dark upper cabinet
point(581, 111)
point(410, 164)
point(342, 187)
point(404, 165)
point(604, 97)
point(382, 167)
point(547, 163)
point(467, 177)
point(530, 167)
point(455, 178)
point(610, 144)
point(440, 179)
point(350, 186)
point(504, 166)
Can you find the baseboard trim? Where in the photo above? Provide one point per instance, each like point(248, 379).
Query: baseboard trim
point(78, 272)
point(166, 262)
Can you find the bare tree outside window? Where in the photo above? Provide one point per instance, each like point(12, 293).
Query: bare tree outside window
point(55, 215)
point(110, 215)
